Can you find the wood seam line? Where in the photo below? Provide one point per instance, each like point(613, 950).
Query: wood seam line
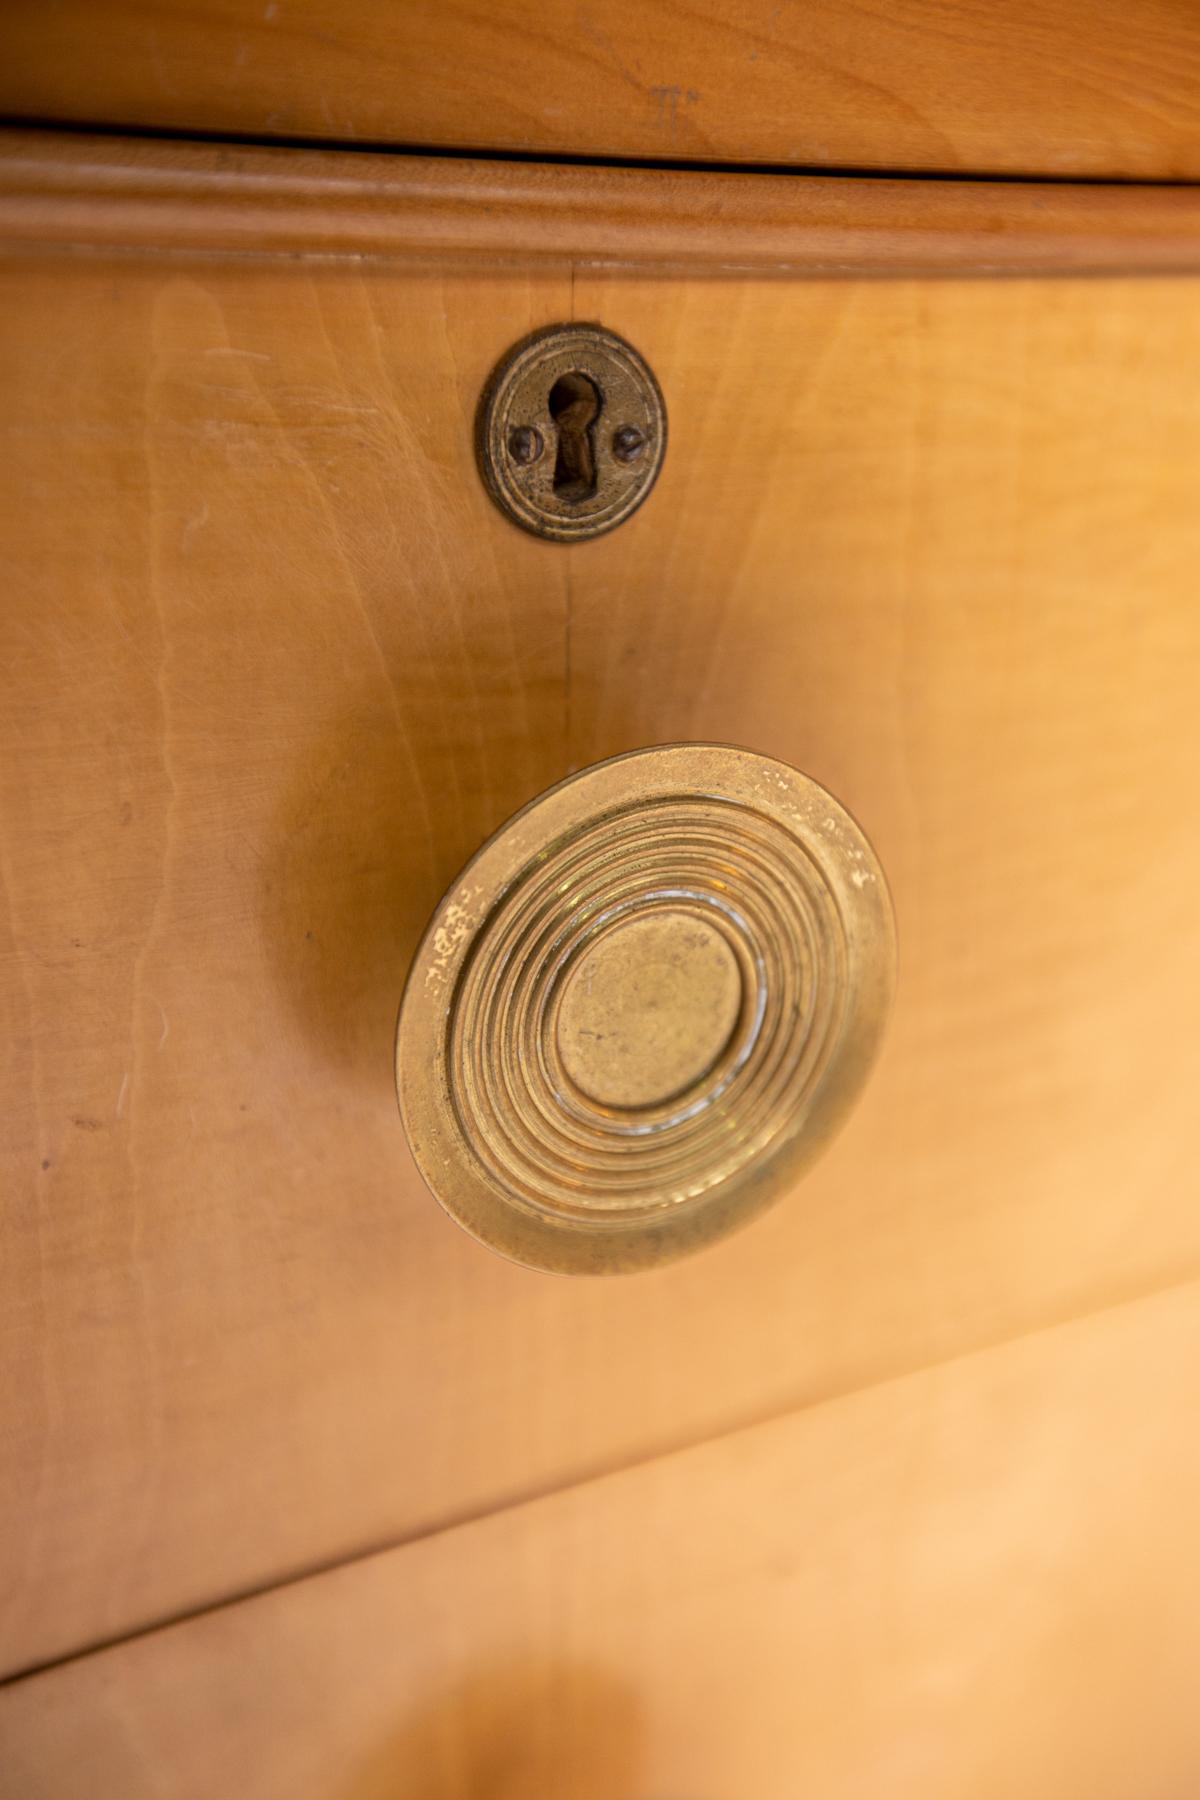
point(48, 125)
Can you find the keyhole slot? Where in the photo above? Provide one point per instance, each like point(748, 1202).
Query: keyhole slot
point(575, 404)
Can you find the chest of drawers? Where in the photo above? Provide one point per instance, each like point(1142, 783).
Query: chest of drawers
point(303, 1490)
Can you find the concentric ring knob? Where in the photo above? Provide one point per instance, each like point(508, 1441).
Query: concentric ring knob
point(643, 1007)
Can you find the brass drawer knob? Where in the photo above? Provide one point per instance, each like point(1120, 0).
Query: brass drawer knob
point(643, 1007)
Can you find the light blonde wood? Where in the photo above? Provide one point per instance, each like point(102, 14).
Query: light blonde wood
point(1044, 87)
point(128, 193)
point(273, 665)
point(269, 678)
point(982, 1580)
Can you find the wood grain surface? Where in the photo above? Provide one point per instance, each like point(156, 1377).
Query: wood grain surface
point(273, 666)
point(981, 1580)
point(1042, 87)
point(67, 189)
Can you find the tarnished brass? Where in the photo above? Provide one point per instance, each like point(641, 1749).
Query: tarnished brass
point(644, 1007)
point(571, 432)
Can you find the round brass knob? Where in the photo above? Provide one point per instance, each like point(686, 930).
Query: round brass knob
point(643, 1007)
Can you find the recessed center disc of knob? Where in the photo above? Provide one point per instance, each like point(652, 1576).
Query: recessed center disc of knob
point(649, 1009)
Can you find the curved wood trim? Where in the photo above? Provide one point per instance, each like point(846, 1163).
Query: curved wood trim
point(151, 195)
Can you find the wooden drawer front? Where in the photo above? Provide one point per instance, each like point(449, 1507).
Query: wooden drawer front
point(1041, 87)
point(947, 1585)
point(274, 665)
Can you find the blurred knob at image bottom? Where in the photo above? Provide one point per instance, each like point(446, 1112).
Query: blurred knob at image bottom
point(645, 1005)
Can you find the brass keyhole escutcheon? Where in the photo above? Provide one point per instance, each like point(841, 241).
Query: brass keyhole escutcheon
point(571, 432)
point(644, 1007)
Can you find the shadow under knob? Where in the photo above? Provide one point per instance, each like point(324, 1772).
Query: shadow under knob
point(644, 1006)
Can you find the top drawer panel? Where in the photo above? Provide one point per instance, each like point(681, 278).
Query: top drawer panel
point(1043, 87)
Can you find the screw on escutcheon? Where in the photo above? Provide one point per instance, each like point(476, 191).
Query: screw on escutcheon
point(628, 443)
point(525, 444)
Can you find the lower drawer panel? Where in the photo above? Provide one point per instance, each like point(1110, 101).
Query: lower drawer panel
point(976, 1580)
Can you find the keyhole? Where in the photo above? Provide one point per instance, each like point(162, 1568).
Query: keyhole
point(575, 406)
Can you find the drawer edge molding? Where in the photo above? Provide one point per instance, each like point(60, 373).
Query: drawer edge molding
point(101, 192)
